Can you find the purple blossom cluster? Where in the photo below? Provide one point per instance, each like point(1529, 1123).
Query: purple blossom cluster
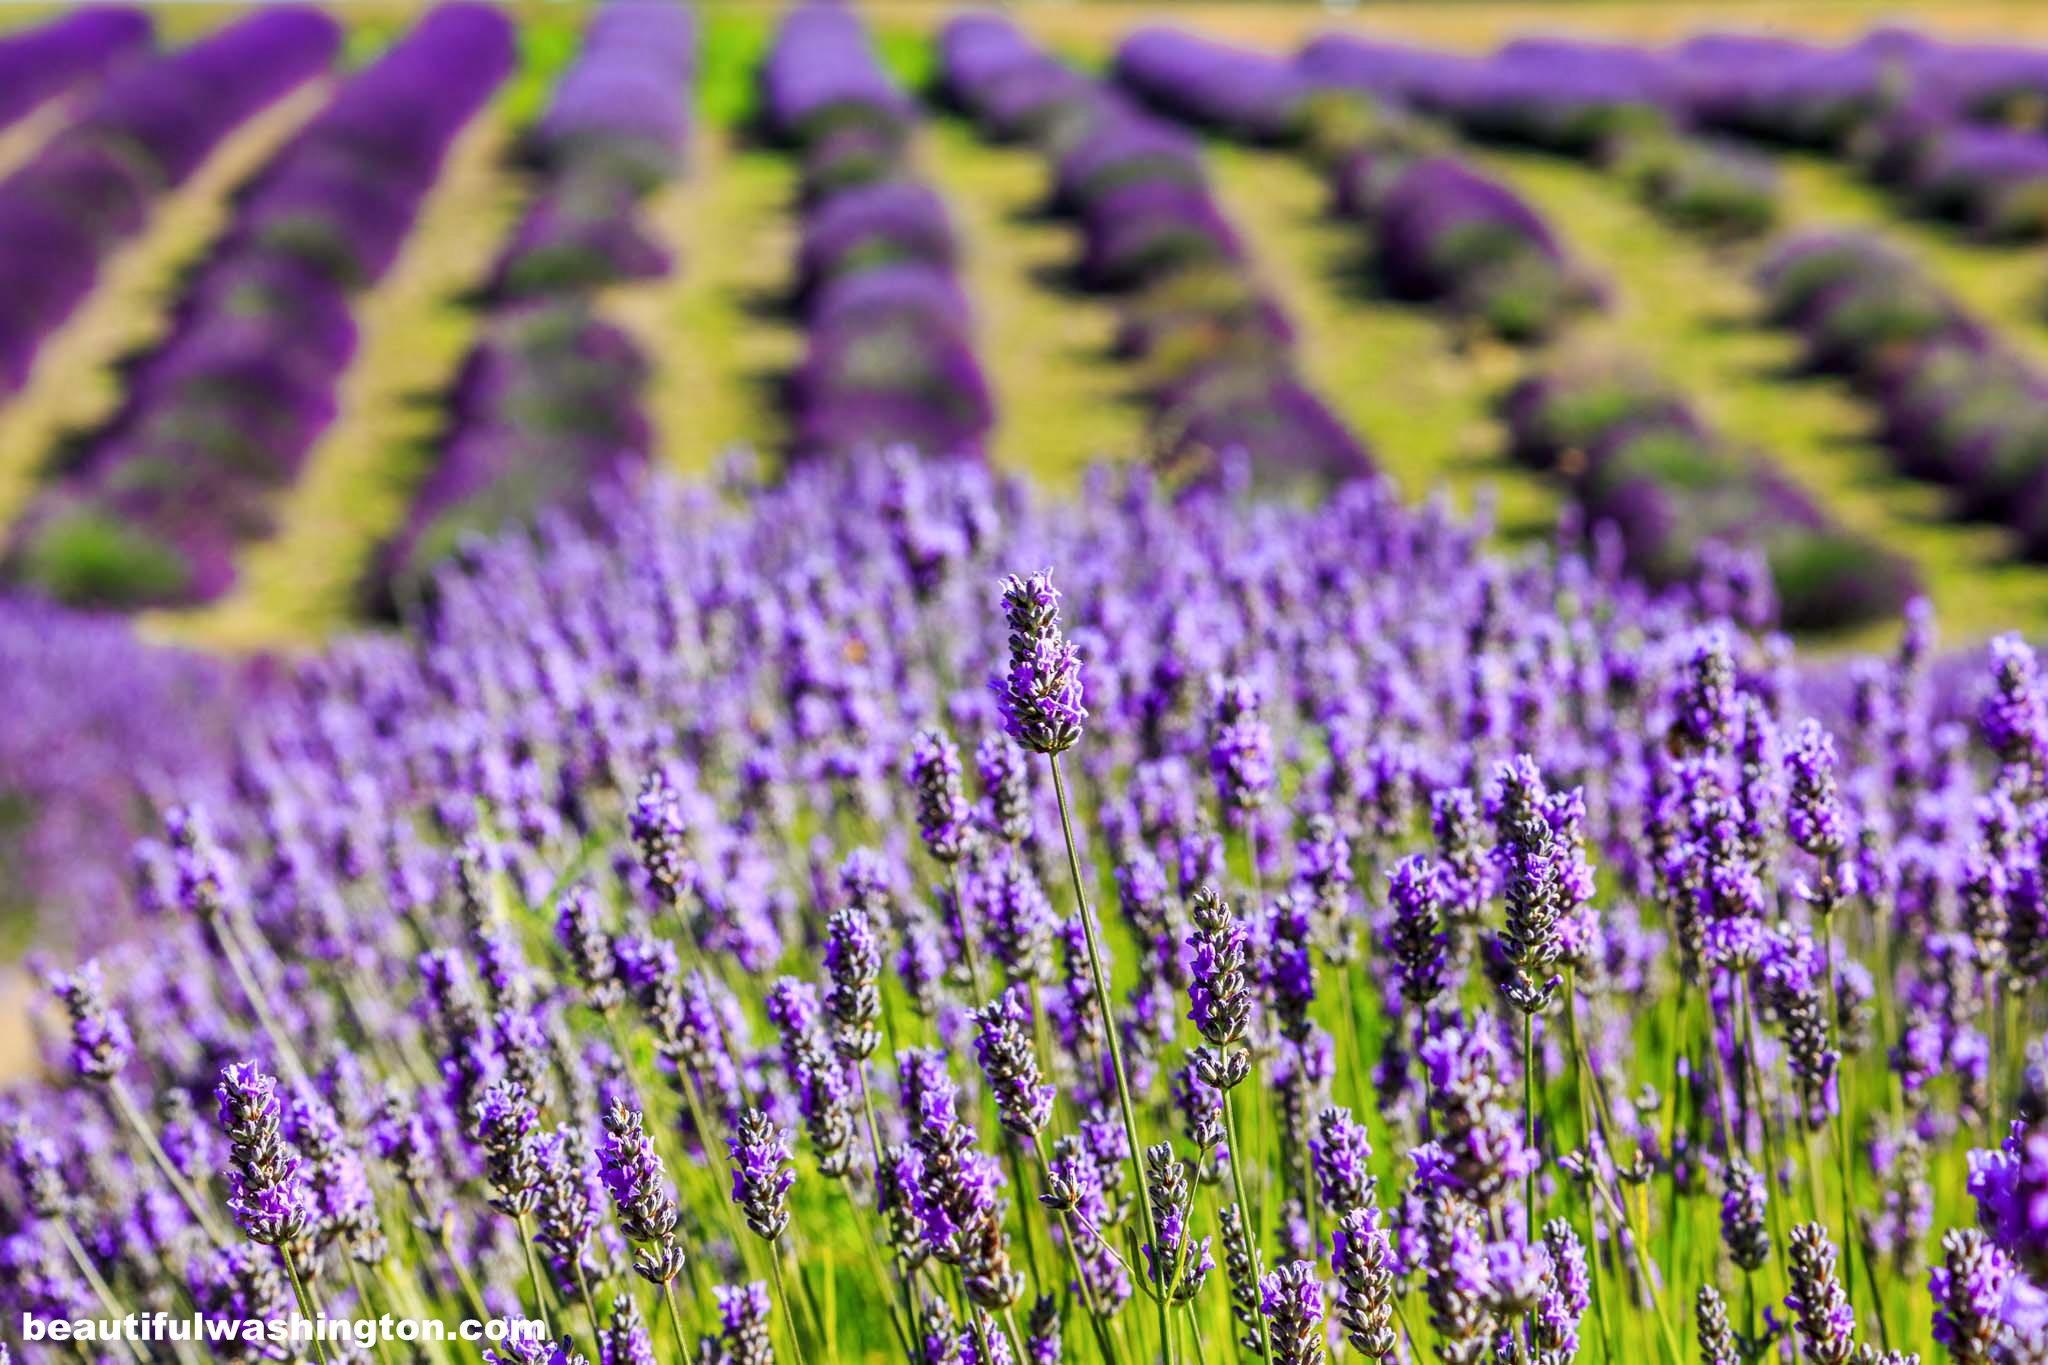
point(1956, 405)
point(219, 416)
point(102, 728)
point(1645, 469)
point(140, 134)
point(547, 401)
point(1212, 346)
point(889, 352)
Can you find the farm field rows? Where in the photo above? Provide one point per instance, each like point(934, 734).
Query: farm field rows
point(1066, 684)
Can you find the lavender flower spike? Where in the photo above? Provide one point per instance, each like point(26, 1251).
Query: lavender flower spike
point(632, 1172)
point(945, 820)
point(1819, 1302)
point(100, 1041)
point(1040, 696)
point(1002, 1043)
point(266, 1193)
point(761, 1173)
point(1291, 1299)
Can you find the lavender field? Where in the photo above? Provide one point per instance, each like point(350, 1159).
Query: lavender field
point(1061, 683)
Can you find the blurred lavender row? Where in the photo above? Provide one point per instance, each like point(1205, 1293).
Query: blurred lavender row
point(1955, 404)
point(1212, 347)
point(889, 357)
point(91, 187)
point(76, 48)
point(100, 729)
point(548, 400)
point(1618, 107)
point(1675, 497)
point(1438, 231)
point(1954, 128)
point(219, 416)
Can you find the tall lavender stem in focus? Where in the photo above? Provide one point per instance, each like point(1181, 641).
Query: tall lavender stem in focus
point(1534, 871)
point(1040, 698)
point(267, 1195)
point(1818, 826)
point(761, 1177)
point(1220, 999)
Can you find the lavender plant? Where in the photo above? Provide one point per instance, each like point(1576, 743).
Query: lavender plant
point(539, 959)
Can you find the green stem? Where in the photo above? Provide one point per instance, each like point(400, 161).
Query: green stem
point(1529, 1119)
point(1244, 1210)
point(98, 1285)
point(132, 1116)
point(355, 1276)
point(540, 1300)
point(1081, 1281)
point(796, 1347)
point(1571, 1024)
point(1109, 1038)
point(306, 1310)
point(668, 1294)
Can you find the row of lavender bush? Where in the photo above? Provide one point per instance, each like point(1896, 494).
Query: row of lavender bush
point(90, 188)
point(66, 53)
point(1925, 117)
point(1640, 460)
point(889, 354)
point(1956, 405)
point(548, 400)
point(219, 416)
point(1213, 347)
point(1438, 230)
point(1616, 106)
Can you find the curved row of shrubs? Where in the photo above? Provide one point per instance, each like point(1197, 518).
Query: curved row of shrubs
point(85, 45)
point(91, 187)
point(889, 355)
point(1640, 460)
point(1439, 232)
point(548, 400)
point(1214, 350)
point(219, 416)
point(1934, 122)
point(1615, 106)
point(1955, 405)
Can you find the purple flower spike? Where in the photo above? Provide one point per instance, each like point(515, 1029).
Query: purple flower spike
point(1819, 1303)
point(1040, 696)
point(1291, 1299)
point(100, 1041)
point(266, 1193)
point(761, 1173)
point(632, 1173)
point(944, 819)
point(1002, 1043)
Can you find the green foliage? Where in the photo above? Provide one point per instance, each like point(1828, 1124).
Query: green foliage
point(87, 557)
point(730, 47)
